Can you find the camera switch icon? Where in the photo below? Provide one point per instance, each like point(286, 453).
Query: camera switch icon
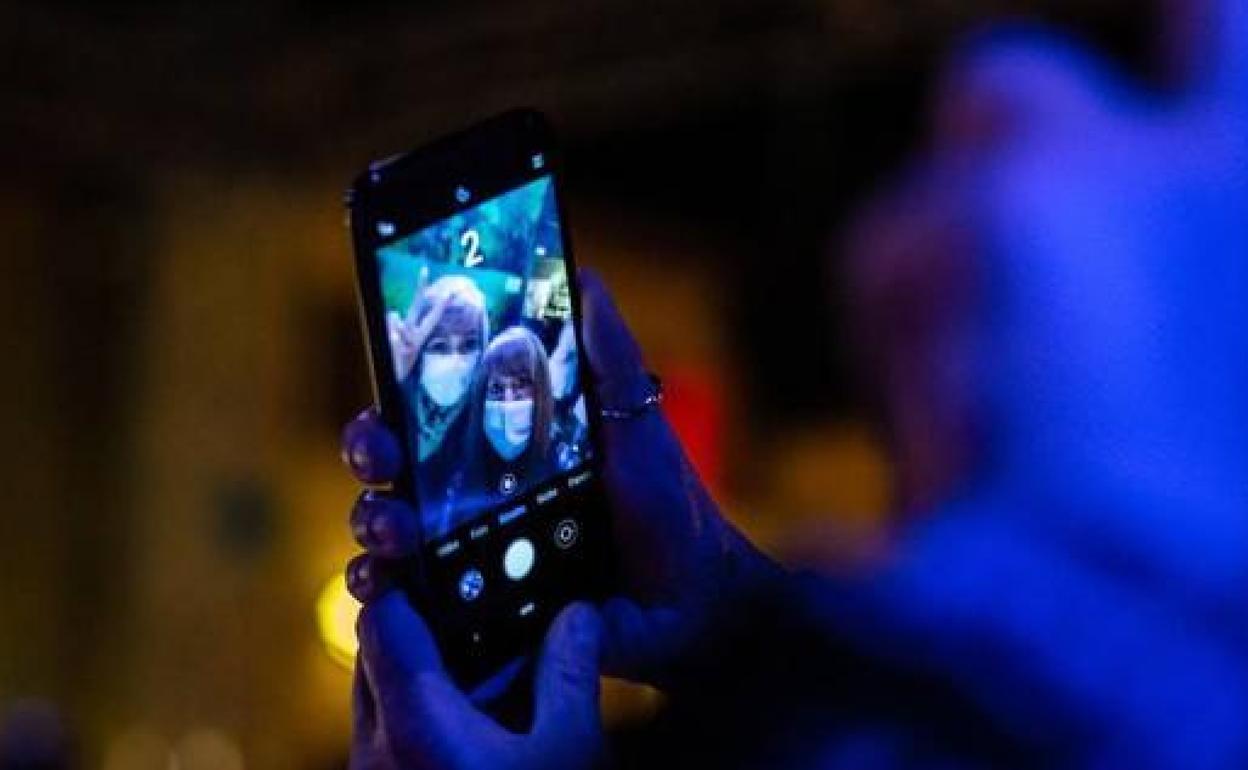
point(567, 532)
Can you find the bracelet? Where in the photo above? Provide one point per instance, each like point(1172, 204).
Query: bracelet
point(651, 402)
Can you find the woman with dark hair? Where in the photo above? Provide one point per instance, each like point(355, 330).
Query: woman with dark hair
point(571, 433)
point(510, 426)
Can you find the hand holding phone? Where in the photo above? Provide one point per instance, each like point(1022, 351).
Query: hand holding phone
point(499, 371)
point(680, 562)
point(417, 717)
point(472, 320)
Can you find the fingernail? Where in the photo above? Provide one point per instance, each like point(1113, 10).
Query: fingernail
point(381, 528)
point(359, 572)
point(359, 458)
point(581, 624)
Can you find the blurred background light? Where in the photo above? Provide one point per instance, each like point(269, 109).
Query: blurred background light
point(139, 748)
point(336, 611)
point(208, 748)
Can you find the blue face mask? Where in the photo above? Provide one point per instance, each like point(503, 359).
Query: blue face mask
point(509, 426)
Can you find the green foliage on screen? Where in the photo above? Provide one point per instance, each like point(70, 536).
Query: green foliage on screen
point(512, 232)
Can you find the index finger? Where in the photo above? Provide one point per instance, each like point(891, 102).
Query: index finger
point(614, 356)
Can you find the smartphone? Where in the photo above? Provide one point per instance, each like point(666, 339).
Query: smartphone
point(468, 294)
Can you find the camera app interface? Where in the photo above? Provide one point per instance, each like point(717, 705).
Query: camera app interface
point(480, 328)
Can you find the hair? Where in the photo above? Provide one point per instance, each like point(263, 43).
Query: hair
point(514, 352)
point(465, 310)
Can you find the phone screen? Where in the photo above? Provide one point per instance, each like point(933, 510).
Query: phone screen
point(475, 302)
point(479, 319)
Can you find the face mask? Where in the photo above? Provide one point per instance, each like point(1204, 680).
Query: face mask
point(508, 426)
point(445, 376)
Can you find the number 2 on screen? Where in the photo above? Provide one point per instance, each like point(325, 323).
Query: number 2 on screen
point(471, 241)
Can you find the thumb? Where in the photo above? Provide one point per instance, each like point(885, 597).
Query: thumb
point(395, 643)
point(566, 684)
point(422, 711)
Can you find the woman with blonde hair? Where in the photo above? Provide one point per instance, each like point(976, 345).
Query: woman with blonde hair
point(437, 348)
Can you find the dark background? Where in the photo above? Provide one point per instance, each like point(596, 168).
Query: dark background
point(180, 340)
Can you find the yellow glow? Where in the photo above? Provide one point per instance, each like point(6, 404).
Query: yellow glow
point(139, 748)
point(208, 749)
point(628, 703)
point(336, 611)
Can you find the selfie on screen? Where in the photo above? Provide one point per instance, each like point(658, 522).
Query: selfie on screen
point(478, 312)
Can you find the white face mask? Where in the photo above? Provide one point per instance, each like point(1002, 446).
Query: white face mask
point(445, 376)
point(508, 426)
